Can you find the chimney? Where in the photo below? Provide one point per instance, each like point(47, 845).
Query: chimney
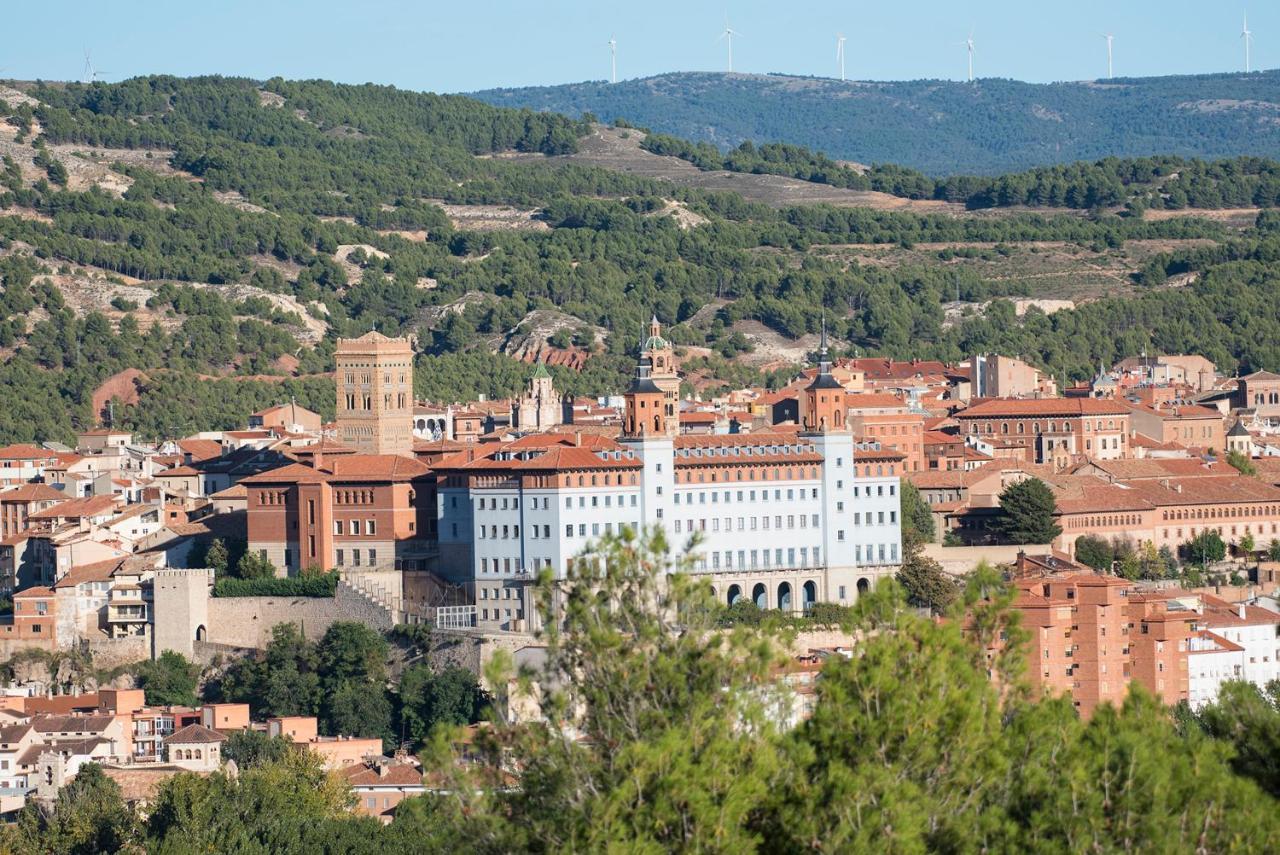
point(317, 459)
point(577, 437)
point(1240, 610)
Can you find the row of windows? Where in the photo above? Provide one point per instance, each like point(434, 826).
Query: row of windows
point(509, 565)
point(595, 529)
point(353, 527)
point(1247, 530)
point(765, 524)
point(750, 495)
point(1221, 513)
point(340, 557)
point(1049, 427)
point(502, 614)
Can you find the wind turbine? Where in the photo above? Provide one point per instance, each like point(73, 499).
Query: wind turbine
point(1110, 38)
point(91, 74)
point(613, 57)
point(1248, 37)
point(969, 44)
point(728, 34)
point(840, 52)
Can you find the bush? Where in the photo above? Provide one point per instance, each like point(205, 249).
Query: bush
point(323, 585)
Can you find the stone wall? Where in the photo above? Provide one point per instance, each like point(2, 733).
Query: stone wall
point(958, 560)
point(247, 621)
point(111, 652)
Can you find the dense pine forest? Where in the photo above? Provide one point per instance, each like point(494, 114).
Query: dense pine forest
point(941, 127)
point(218, 234)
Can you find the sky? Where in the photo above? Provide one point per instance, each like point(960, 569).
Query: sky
point(479, 44)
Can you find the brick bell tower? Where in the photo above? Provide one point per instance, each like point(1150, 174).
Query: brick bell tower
point(646, 405)
point(822, 406)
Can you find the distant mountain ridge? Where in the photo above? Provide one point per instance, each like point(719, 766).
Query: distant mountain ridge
point(941, 127)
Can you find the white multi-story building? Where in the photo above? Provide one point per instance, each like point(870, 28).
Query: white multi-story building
point(785, 519)
point(1231, 642)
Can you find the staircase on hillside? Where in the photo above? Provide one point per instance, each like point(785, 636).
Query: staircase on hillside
point(384, 590)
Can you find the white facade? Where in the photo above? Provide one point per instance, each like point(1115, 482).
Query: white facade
point(1247, 650)
point(784, 520)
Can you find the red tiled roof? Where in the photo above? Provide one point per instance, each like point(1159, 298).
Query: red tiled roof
point(393, 775)
point(201, 449)
point(32, 493)
point(25, 452)
point(195, 733)
point(99, 571)
point(1033, 407)
point(873, 400)
point(76, 508)
point(177, 472)
point(555, 458)
point(344, 469)
point(39, 591)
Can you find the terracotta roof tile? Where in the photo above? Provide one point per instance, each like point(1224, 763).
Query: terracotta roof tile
point(1035, 407)
point(33, 493)
point(195, 733)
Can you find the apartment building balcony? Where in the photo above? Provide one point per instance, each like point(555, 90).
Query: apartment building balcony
point(127, 612)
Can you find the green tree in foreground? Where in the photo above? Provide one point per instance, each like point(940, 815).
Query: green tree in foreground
point(1028, 512)
point(169, 680)
point(1095, 552)
point(88, 816)
point(926, 584)
point(1205, 548)
point(917, 517)
point(250, 748)
point(451, 697)
point(1249, 720)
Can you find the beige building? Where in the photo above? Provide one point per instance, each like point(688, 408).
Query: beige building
point(196, 748)
point(375, 394)
point(996, 376)
point(539, 407)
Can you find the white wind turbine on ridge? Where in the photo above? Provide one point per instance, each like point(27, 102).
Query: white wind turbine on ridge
point(727, 35)
point(840, 40)
point(91, 74)
point(1110, 38)
point(613, 59)
point(1247, 35)
point(968, 43)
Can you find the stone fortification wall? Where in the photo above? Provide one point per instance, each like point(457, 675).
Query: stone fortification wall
point(248, 621)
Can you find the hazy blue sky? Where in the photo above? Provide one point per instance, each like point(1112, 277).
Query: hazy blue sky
point(475, 44)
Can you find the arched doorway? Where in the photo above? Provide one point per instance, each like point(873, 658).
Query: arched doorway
point(200, 633)
point(735, 593)
point(810, 594)
point(760, 596)
point(784, 596)
point(864, 585)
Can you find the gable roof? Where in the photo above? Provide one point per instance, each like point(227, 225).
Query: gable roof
point(33, 493)
point(195, 733)
point(1034, 407)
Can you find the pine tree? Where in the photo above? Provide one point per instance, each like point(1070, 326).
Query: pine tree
point(1028, 508)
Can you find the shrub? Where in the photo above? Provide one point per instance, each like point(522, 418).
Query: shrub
point(323, 585)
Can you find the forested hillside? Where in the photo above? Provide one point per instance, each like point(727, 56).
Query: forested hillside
point(219, 234)
point(941, 127)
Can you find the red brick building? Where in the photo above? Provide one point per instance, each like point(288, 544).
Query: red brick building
point(1053, 430)
point(365, 511)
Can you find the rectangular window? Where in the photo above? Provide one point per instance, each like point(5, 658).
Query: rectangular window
point(355, 527)
point(370, 527)
point(568, 530)
point(355, 557)
point(311, 511)
point(337, 526)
